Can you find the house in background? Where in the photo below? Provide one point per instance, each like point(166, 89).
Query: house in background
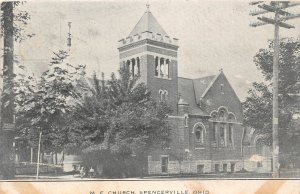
point(207, 119)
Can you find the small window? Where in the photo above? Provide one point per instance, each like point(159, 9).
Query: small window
point(186, 121)
point(222, 88)
point(161, 95)
point(165, 95)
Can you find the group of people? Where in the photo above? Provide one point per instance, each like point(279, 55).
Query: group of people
point(83, 173)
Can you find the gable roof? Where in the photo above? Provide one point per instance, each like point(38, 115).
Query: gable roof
point(187, 93)
point(203, 84)
point(148, 23)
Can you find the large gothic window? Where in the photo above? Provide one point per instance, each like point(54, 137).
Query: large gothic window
point(223, 122)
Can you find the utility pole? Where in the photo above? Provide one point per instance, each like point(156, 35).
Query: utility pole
point(7, 99)
point(38, 157)
point(278, 8)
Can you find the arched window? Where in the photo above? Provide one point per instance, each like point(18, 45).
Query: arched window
point(222, 115)
point(165, 95)
point(214, 116)
point(259, 146)
point(161, 94)
point(231, 117)
point(161, 68)
point(128, 65)
point(199, 134)
point(199, 131)
point(167, 68)
point(186, 120)
point(133, 72)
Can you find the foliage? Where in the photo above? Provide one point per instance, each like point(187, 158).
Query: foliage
point(258, 106)
point(43, 102)
point(21, 19)
point(118, 119)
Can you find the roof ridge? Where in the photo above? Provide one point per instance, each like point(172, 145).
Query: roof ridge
point(148, 23)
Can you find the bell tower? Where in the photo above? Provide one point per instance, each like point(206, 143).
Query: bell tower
point(150, 52)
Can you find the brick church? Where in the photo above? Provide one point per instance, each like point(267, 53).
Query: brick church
point(207, 121)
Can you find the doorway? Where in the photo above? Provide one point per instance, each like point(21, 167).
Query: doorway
point(200, 169)
point(217, 168)
point(164, 164)
point(224, 167)
point(232, 166)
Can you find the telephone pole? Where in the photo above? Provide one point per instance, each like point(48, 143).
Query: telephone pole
point(280, 16)
point(7, 124)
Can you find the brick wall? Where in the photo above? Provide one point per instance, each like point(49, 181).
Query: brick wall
point(171, 85)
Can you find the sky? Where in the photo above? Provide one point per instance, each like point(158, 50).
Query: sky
point(212, 35)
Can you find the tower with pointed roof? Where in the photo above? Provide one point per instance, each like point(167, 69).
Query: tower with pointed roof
point(152, 53)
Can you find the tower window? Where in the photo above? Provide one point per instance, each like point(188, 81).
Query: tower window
point(138, 66)
point(133, 68)
point(156, 66)
point(161, 67)
point(167, 68)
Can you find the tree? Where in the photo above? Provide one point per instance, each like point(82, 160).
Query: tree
point(258, 106)
point(12, 24)
point(43, 102)
point(118, 123)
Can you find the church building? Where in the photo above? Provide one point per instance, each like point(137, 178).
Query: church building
point(207, 119)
